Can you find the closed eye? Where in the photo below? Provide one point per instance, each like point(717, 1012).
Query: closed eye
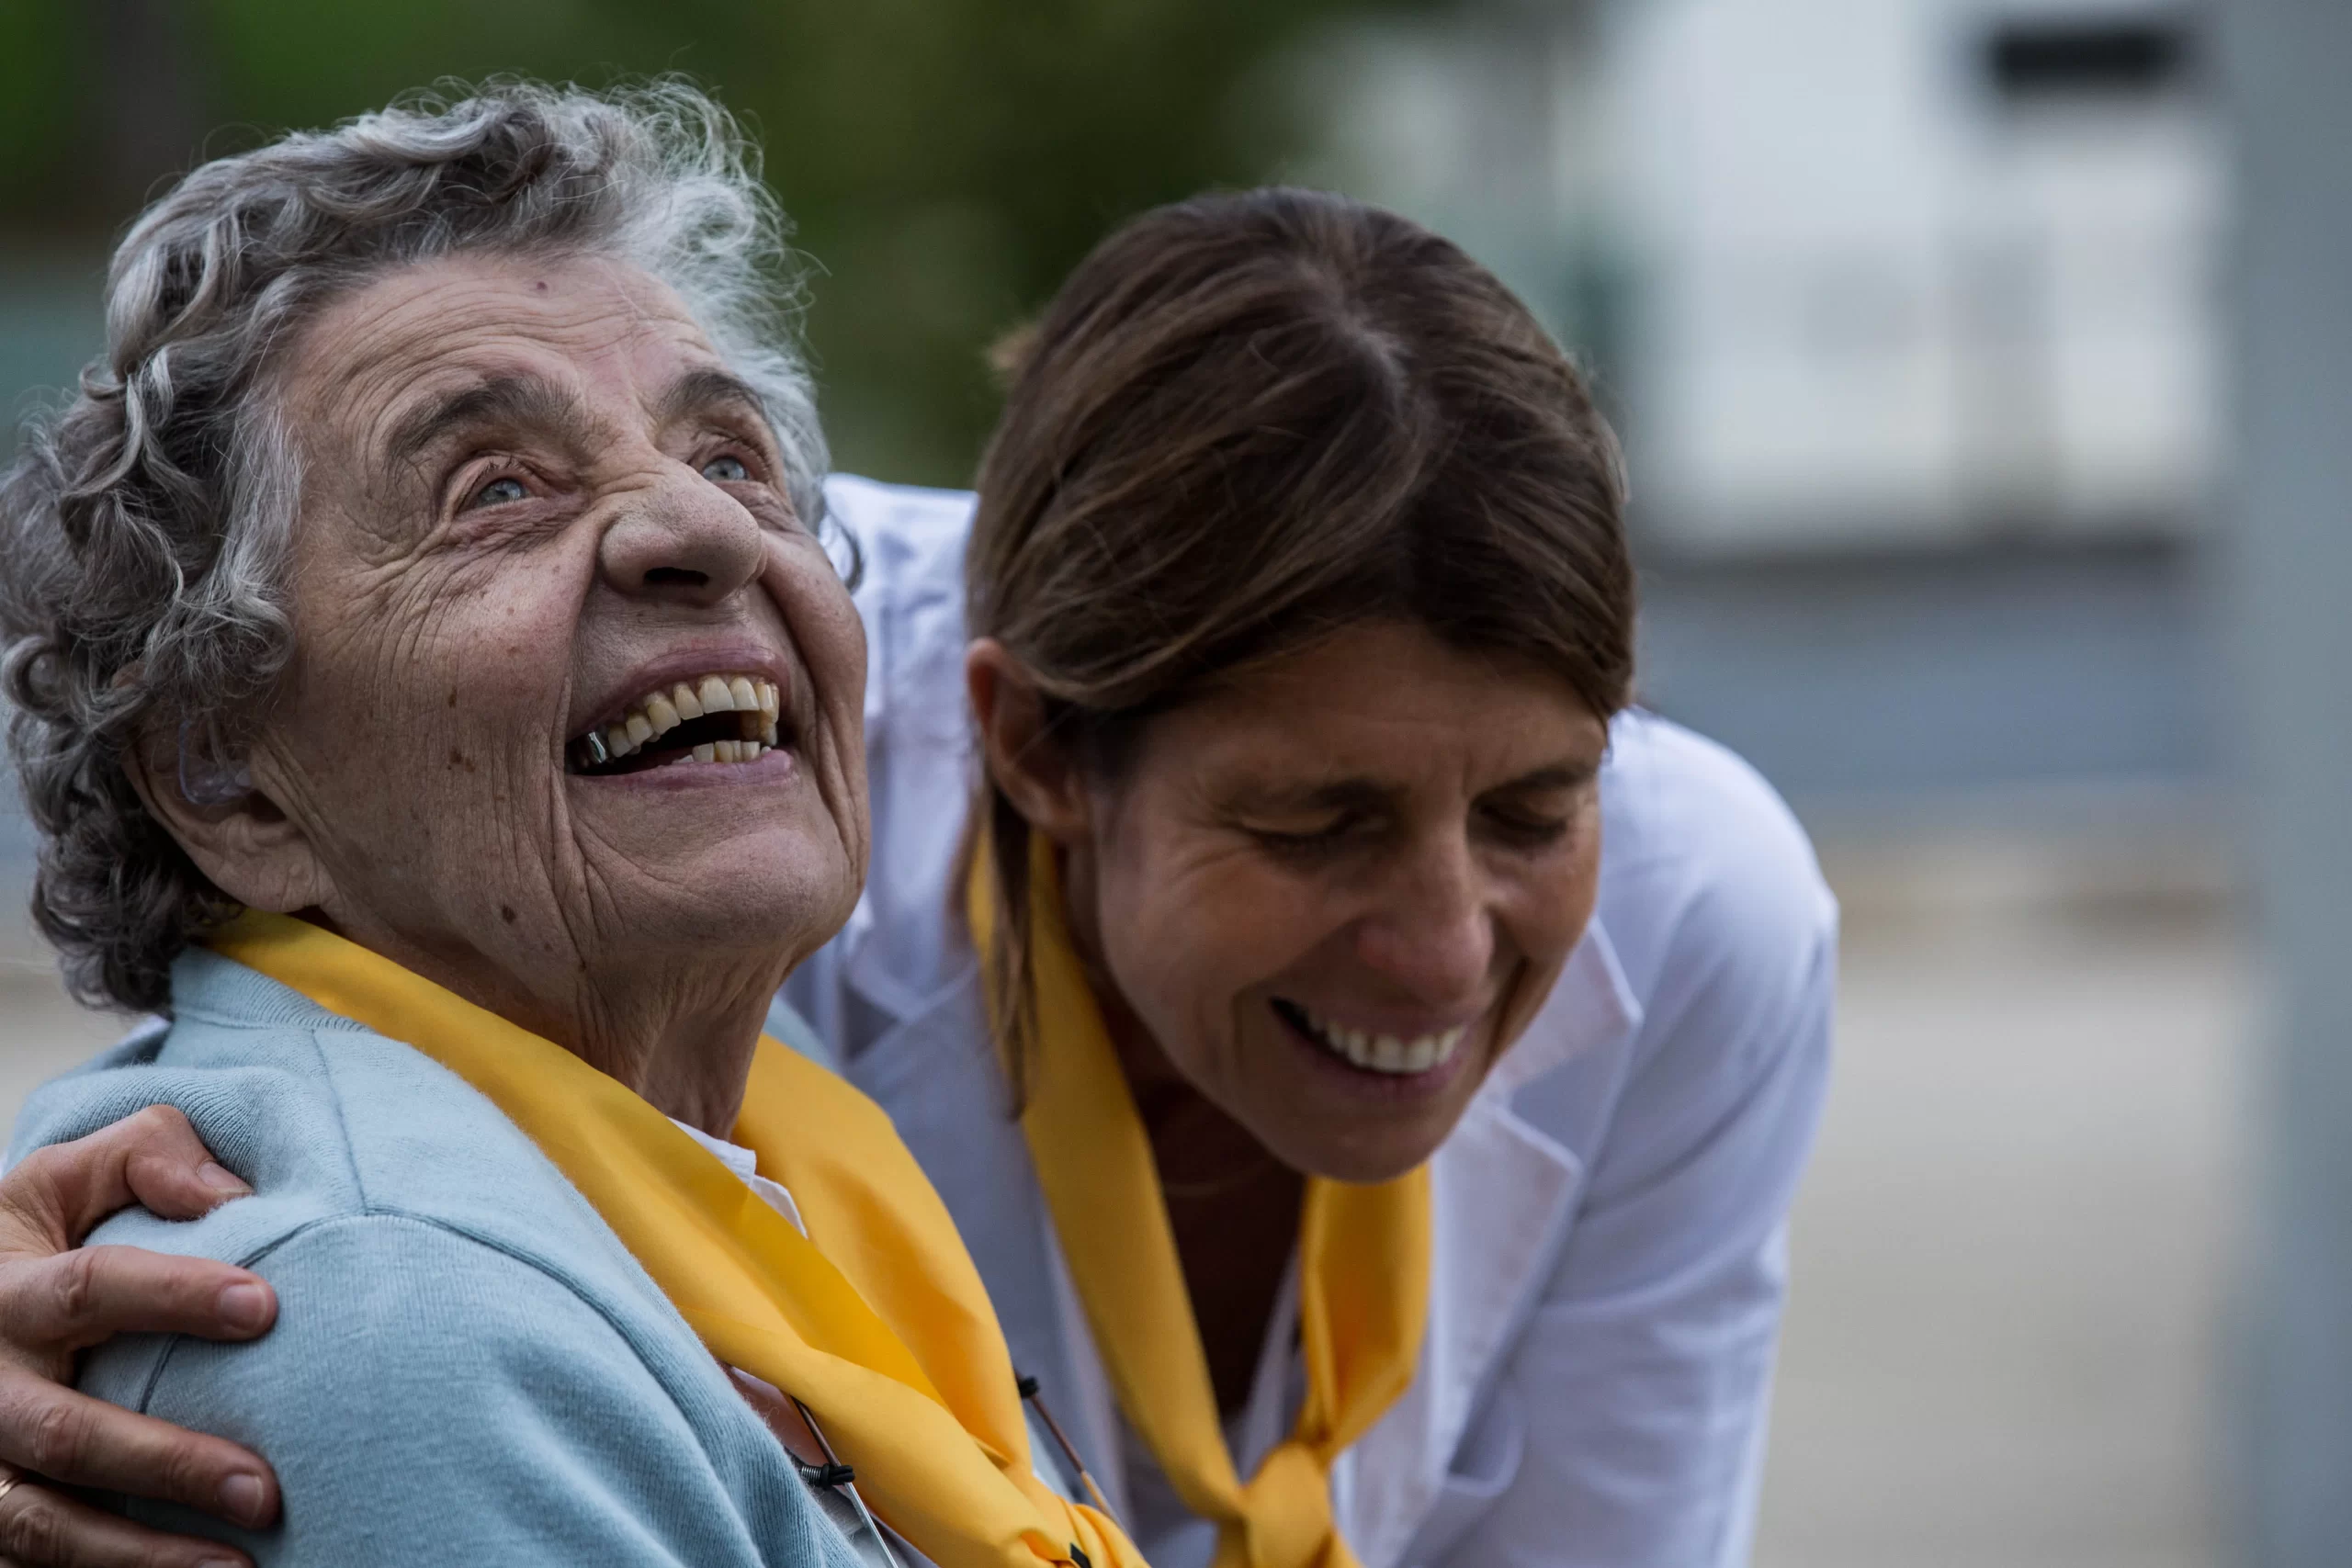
point(1526, 829)
point(1308, 843)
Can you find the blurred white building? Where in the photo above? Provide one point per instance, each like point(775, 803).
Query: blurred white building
point(1862, 272)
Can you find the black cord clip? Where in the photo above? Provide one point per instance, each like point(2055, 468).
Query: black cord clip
point(829, 1476)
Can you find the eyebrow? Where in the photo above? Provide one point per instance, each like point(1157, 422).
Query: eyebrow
point(528, 399)
point(706, 389)
point(1559, 775)
point(499, 400)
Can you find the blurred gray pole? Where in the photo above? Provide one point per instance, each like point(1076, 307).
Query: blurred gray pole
point(2285, 64)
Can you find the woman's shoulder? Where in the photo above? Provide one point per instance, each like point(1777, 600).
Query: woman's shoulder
point(338, 1131)
point(900, 520)
point(898, 948)
point(1697, 845)
point(522, 1380)
point(433, 1394)
point(325, 1119)
point(910, 545)
point(909, 591)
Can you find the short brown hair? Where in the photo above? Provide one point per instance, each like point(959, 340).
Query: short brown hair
point(1249, 421)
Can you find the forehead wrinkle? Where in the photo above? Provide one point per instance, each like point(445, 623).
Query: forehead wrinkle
point(419, 323)
point(512, 401)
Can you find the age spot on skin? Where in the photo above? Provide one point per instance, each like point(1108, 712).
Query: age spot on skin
point(506, 913)
point(459, 760)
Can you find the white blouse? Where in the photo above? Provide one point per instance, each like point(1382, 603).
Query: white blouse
point(1609, 1214)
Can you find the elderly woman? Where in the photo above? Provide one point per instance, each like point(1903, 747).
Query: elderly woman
point(437, 703)
point(1369, 1062)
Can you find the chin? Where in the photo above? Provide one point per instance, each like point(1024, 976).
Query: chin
point(1362, 1155)
point(781, 888)
point(1329, 1117)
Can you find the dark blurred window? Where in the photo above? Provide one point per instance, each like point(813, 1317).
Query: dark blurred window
point(2047, 60)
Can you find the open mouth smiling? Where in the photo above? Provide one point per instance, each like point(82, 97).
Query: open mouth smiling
point(1394, 1055)
point(716, 718)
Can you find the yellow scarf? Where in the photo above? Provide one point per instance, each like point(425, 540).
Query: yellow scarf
point(1364, 1272)
point(886, 1334)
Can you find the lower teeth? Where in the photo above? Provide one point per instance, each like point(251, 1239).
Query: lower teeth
point(722, 751)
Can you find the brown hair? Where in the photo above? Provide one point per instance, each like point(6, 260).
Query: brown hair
point(1246, 422)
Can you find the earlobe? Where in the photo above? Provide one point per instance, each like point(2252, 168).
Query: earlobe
point(237, 835)
point(1028, 762)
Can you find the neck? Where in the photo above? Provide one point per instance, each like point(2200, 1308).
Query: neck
point(690, 1058)
point(1233, 1206)
point(679, 1034)
point(1194, 1144)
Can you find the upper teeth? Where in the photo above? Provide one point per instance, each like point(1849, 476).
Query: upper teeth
point(1386, 1053)
point(658, 711)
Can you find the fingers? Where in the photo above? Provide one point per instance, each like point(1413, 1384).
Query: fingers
point(154, 1157)
point(55, 1300)
point(41, 1527)
point(73, 1300)
point(80, 1442)
point(169, 1171)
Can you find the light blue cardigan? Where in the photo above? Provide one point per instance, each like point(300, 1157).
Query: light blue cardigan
point(467, 1367)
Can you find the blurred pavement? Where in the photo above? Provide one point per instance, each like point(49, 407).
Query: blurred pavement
point(2003, 1347)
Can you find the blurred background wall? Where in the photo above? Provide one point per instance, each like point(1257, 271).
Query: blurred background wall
point(1911, 314)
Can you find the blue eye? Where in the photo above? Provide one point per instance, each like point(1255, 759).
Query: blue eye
point(726, 470)
point(500, 492)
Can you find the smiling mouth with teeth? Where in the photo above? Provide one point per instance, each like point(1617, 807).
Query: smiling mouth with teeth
point(1389, 1054)
point(712, 719)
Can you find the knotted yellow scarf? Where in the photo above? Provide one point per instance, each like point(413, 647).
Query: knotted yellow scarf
point(1363, 1255)
point(886, 1334)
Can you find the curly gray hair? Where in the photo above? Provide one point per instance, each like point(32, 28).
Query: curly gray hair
point(144, 525)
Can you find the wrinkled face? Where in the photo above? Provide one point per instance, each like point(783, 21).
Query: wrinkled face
point(1334, 893)
point(576, 697)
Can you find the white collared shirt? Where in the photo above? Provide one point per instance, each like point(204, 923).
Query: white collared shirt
point(745, 1166)
point(1609, 1214)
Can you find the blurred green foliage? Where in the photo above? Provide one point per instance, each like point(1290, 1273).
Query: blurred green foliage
point(945, 161)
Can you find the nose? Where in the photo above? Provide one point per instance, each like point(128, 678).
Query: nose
point(683, 541)
point(1433, 932)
